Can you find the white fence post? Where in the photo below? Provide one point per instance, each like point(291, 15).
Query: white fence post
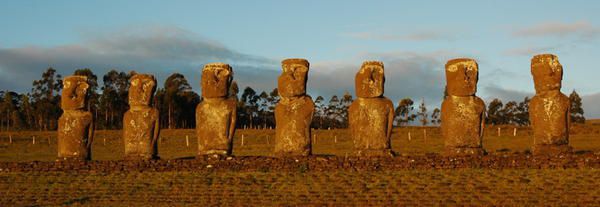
point(242, 140)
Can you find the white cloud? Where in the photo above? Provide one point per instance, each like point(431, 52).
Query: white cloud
point(166, 50)
point(582, 29)
point(408, 74)
point(591, 107)
point(528, 51)
point(590, 101)
point(161, 50)
point(504, 94)
point(415, 36)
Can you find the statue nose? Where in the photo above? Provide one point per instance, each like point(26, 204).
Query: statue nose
point(293, 74)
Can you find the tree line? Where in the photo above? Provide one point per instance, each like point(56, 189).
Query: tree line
point(176, 101)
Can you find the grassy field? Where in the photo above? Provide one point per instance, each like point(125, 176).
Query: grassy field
point(108, 145)
point(478, 187)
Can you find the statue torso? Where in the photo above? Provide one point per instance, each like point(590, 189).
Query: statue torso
point(138, 130)
point(369, 122)
point(293, 118)
point(73, 129)
point(548, 114)
point(213, 121)
point(461, 121)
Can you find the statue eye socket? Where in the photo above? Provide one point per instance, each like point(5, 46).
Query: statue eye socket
point(300, 69)
point(378, 71)
point(81, 89)
point(223, 73)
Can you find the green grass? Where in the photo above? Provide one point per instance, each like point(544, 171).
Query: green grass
point(108, 145)
point(477, 187)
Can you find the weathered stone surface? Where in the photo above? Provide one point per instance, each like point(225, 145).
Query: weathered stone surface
point(294, 112)
point(549, 108)
point(370, 79)
point(75, 125)
point(316, 164)
point(292, 82)
point(463, 113)
point(141, 122)
point(216, 114)
point(371, 115)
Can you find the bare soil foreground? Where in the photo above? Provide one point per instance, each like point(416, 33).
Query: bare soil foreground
point(508, 175)
point(343, 188)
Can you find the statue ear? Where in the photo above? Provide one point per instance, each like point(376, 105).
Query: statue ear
point(152, 83)
point(83, 85)
point(362, 70)
point(149, 85)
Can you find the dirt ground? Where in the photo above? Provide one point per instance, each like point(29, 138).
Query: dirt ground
point(507, 176)
point(480, 187)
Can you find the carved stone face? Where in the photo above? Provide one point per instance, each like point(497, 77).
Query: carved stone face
point(370, 80)
point(216, 79)
point(141, 90)
point(74, 92)
point(292, 82)
point(461, 77)
point(547, 72)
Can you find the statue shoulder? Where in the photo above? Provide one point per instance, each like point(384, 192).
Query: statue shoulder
point(535, 99)
point(479, 101)
point(154, 111)
point(309, 100)
point(307, 97)
point(127, 113)
point(388, 102)
point(202, 103)
point(564, 98)
point(88, 115)
point(354, 104)
point(231, 102)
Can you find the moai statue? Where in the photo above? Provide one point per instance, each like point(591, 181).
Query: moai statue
point(294, 112)
point(549, 109)
point(75, 125)
point(463, 113)
point(141, 123)
point(216, 114)
point(371, 115)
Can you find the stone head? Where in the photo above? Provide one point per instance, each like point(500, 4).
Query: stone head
point(370, 80)
point(141, 90)
point(547, 72)
point(74, 92)
point(292, 81)
point(462, 75)
point(216, 79)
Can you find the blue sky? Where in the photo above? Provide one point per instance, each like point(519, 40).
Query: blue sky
point(413, 38)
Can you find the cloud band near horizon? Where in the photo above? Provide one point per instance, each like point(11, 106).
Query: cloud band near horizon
point(166, 50)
